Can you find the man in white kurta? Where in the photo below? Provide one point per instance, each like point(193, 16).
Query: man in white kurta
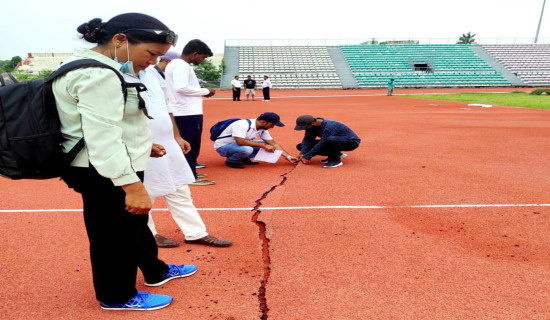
point(185, 95)
point(170, 175)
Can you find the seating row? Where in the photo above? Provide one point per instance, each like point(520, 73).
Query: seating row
point(433, 80)
point(450, 64)
point(527, 61)
point(290, 66)
point(401, 57)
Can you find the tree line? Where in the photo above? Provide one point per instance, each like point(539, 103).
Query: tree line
point(206, 71)
point(9, 65)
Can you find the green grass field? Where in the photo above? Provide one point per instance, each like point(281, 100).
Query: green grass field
point(513, 99)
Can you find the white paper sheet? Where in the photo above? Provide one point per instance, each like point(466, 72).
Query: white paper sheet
point(272, 157)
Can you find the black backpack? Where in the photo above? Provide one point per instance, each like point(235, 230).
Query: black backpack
point(30, 136)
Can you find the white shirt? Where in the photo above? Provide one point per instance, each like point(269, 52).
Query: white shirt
point(183, 90)
point(240, 129)
point(162, 175)
point(236, 83)
point(266, 84)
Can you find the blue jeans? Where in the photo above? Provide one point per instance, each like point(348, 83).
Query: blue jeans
point(235, 153)
point(332, 147)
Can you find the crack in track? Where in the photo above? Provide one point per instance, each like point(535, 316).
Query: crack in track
point(265, 245)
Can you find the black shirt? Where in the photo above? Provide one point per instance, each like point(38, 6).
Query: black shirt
point(250, 84)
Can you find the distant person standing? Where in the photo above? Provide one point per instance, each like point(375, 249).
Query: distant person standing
point(266, 86)
point(250, 88)
point(236, 85)
point(184, 95)
point(391, 85)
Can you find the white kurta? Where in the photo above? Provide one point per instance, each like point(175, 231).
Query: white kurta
point(162, 175)
point(184, 92)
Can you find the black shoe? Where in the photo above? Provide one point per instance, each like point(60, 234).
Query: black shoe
point(333, 164)
point(248, 161)
point(342, 155)
point(235, 165)
point(200, 166)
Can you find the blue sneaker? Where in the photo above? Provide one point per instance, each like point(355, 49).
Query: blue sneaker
point(143, 301)
point(175, 271)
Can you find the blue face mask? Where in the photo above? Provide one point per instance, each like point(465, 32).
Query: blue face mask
point(128, 66)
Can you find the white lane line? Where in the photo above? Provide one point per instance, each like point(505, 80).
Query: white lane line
point(326, 96)
point(429, 206)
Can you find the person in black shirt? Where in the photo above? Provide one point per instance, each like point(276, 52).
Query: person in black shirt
point(250, 87)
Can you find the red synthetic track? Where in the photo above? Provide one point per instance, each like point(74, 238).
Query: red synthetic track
point(435, 216)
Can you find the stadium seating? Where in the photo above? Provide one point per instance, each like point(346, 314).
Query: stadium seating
point(448, 65)
point(371, 65)
point(530, 62)
point(289, 67)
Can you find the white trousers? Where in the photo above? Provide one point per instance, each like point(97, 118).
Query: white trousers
point(180, 204)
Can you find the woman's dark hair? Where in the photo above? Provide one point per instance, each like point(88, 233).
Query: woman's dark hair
point(197, 46)
point(96, 31)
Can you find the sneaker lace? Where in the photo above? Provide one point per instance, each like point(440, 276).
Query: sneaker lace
point(139, 299)
point(174, 270)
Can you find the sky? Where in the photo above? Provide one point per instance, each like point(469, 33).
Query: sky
point(50, 25)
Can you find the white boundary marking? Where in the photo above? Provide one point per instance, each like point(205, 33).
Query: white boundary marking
point(329, 96)
point(428, 206)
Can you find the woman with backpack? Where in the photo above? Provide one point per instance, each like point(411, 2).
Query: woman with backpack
point(108, 171)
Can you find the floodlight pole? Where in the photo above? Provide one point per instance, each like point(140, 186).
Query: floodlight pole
point(540, 20)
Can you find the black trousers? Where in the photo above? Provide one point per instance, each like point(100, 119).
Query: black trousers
point(190, 128)
point(333, 146)
point(237, 94)
point(120, 241)
point(266, 93)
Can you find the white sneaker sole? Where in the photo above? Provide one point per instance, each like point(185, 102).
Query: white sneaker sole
point(340, 164)
point(202, 182)
point(169, 279)
point(136, 309)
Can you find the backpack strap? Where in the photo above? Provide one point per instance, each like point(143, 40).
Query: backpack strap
point(160, 72)
point(86, 63)
point(71, 155)
point(78, 64)
point(140, 87)
point(12, 78)
point(249, 126)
